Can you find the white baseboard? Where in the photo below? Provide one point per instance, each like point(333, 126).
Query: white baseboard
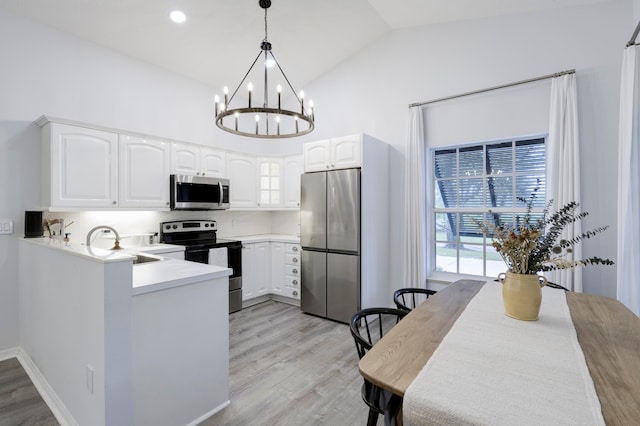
point(59, 410)
point(208, 414)
point(287, 300)
point(8, 353)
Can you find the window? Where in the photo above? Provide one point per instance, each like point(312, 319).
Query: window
point(478, 182)
point(270, 182)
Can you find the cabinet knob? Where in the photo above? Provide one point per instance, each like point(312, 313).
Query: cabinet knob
point(203, 173)
point(295, 249)
point(113, 202)
point(295, 282)
point(295, 271)
point(327, 166)
point(167, 203)
point(294, 260)
point(295, 293)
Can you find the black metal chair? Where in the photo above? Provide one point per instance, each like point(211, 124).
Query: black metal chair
point(558, 286)
point(407, 299)
point(367, 327)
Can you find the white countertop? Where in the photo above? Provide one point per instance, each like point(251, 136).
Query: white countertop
point(168, 273)
point(146, 277)
point(295, 239)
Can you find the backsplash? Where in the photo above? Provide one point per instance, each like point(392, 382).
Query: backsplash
point(135, 227)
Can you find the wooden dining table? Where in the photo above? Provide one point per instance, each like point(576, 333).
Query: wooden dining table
point(608, 333)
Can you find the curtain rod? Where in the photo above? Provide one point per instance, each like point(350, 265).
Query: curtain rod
point(634, 36)
point(531, 80)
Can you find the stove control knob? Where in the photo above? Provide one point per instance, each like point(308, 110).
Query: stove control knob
point(175, 226)
point(167, 227)
point(206, 225)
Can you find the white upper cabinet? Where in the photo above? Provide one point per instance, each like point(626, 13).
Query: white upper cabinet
point(293, 168)
point(197, 160)
point(144, 172)
point(337, 153)
point(80, 167)
point(317, 155)
point(270, 182)
point(243, 179)
point(346, 152)
point(213, 163)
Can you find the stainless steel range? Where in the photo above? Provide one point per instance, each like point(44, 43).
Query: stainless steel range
point(203, 246)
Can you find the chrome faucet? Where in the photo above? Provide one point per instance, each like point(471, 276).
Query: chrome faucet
point(116, 245)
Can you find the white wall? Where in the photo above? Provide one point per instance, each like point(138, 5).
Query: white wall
point(47, 72)
point(371, 93)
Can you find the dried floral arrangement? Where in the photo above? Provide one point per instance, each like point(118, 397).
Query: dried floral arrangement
point(530, 246)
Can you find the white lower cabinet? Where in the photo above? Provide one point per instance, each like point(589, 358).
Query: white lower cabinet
point(277, 268)
point(270, 268)
point(256, 269)
point(292, 271)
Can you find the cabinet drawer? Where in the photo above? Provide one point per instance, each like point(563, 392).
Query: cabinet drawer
point(292, 270)
point(292, 248)
point(290, 281)
point(291, 292)
point(292, 259)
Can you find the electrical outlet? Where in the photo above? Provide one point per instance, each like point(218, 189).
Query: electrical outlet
point(90, 372)
point(6, 226)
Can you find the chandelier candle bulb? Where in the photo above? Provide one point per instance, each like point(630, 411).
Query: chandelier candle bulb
point(296, 120)
point(278, 124)
point(216, 99)
point(279, 90)
point(236, 116)
point(226, 93)
point(250, 87)
point(301, 104)
point(257, 121)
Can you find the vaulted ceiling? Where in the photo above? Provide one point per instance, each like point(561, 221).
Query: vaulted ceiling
point(220, 38)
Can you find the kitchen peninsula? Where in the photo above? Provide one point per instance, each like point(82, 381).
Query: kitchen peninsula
point(115, 343)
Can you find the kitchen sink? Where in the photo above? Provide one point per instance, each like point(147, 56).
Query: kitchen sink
point(141, 258)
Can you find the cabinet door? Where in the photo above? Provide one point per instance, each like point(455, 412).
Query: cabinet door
point(185, 159)
point(270, 182)
point(248, 272)
point(212, 163)
point(262, 268)
point(346, 152)
point(144, 172)
point(84, 167)
point(241, 170)
point(317, 155)
point(277, 268)
point(292, 171)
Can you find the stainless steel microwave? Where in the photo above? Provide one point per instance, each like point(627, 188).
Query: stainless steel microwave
point(198, 193)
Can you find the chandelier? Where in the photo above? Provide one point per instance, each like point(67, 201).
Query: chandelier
point(278, 120)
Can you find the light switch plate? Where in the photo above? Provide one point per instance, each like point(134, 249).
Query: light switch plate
point(6, 226)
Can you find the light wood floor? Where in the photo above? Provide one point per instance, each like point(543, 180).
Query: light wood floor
point(286, 369)
point(20, 402)
point(291, 369)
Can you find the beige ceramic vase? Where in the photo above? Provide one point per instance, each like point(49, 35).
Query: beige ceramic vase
point(522, 295)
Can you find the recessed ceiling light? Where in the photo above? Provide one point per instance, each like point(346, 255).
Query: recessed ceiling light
point(178, 16)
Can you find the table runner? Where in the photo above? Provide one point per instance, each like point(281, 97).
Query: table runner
point(494, 370)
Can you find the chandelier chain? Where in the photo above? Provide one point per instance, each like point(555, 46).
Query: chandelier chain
point(265, 24)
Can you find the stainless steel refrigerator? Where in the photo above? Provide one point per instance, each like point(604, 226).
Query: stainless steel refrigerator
point(330, 240)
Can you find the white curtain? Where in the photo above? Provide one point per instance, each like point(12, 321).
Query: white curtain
point(415, 256)
point(563, 166)
point(628, 259)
